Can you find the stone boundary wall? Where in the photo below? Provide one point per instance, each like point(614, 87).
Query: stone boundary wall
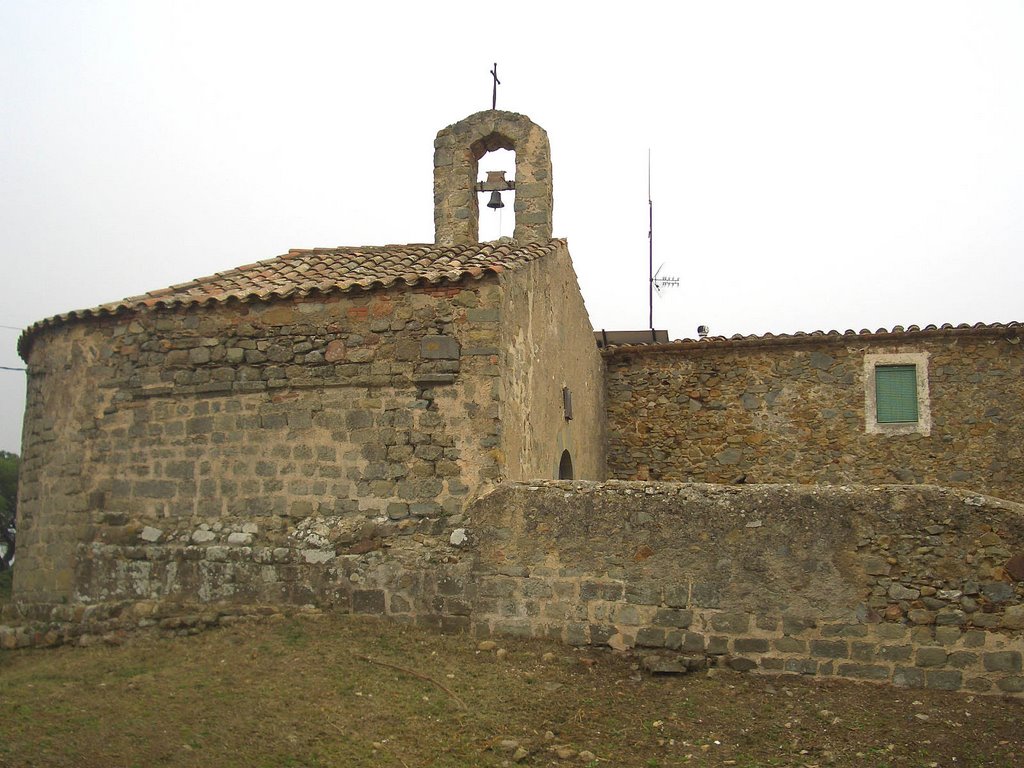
point(793, 410)
point(916, 586)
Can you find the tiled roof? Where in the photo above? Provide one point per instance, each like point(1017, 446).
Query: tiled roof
point(1015, 329)
point(301, 272)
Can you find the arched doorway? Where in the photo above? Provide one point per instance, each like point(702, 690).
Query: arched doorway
point(565, 467)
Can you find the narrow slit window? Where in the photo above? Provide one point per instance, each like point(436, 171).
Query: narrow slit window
point(896, 394)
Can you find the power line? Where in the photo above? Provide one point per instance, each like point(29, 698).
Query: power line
point(7, 368)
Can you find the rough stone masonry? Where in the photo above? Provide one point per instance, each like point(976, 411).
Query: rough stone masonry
point(915, 586)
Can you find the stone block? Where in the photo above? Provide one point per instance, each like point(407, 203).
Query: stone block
point(740, 664)
point(998, 591)
point(455, 625)
point(853, 630)
point(802, 666)
point(1013, 617)
point(650, 637)
point(899, 592)
point(482, 315)
point(922, 635)
point(974, 638)
point(368, 601)
point(979, 684)
point(863, 671)
point(943, 679)
point(821, 361)
point(155, 489)
point(750, 645)
point(794, 625)
point(790, 645)
point(601, 633)
point(950, 616)
point(830, 649)
point(668, 617)
point(450, 585)
point(931, 657)
point(908, 677)
point(425, 509)
point(962, 659)
point(677, 596)
point(601, 590)
point(736, 623)
point(947, 635)
point(1011, 684)
point(537, 588)
point(624, 613)
point(497, 586)
point(439, 348)
point(717, 645)
point(862, 651)
point(921, 616)
point(894, 652)
point(643, 594)
point(433, 379)
point(691, 642)
point(513, 627)
point(1002, 661)
point(398, 510)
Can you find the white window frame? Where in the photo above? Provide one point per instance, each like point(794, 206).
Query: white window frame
point(923, 425)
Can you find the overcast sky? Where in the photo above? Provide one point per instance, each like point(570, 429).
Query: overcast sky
point(815, 165)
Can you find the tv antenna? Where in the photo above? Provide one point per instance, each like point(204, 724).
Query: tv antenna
point(655, 283)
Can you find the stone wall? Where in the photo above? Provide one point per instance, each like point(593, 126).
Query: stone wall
point(916, 586)
point(793, 410)
point(373, 404)
point(548, 345)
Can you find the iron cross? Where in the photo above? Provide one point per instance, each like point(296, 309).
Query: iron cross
point(497, 82)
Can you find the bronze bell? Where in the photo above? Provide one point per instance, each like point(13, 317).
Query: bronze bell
point(495, 201)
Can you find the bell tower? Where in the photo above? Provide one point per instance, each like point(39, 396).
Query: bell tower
point(457, 152)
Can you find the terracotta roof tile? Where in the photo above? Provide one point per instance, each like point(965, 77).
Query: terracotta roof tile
point(766, 339)
point(325, 270)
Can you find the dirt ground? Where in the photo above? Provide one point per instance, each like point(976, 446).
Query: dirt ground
point(340, 691)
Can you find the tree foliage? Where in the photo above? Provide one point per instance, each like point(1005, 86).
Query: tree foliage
point(8, 504)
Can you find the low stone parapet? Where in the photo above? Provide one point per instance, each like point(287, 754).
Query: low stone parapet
point(915, 586)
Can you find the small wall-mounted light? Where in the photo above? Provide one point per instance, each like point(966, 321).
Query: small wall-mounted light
point(567, 403)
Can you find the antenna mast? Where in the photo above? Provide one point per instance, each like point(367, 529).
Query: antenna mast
point(654, 283)
point(650, 245)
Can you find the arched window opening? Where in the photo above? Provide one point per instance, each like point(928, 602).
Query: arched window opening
point(565, 467)
point(496, 222)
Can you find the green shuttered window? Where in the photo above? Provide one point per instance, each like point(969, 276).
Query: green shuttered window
point(896, 393)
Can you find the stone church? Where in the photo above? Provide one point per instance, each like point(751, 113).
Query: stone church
point(391, 430)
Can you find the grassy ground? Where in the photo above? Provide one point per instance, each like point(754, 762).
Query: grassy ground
point(319, 692)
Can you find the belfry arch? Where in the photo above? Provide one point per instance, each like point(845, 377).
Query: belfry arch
point(457, 153)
